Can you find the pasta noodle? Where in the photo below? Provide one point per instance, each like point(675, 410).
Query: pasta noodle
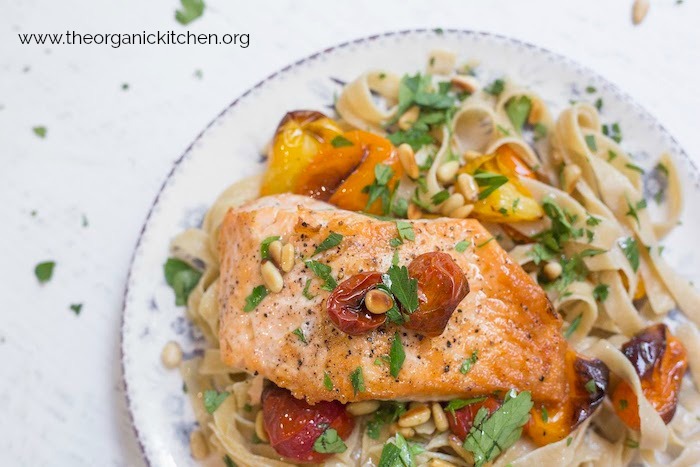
point(605, 204)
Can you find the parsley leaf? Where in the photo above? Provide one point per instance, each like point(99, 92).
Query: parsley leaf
point(462, 246)
point(40, 131)
point(332, 240)
point(634, 167)
point(396, 356)
point(600, 292)
point(414, 137)
point(228, 461)
point(540, 131)
point(496, 87)
point(469, 363)
point(300, 334)
point(379, 189)
point(341, 141)
point(518, 109)
point(44, 271)
point(404, 288)
point(632, 211)
point(490, 181)
point(213, 399)
point(405, 229)
point(182, 277)
point(399, 453)
point(265, 246)
point(388, 412)
point(456, 404)
point(357, 380)
point(491, 435)
point(327, 382)
point(631, 250)
point(323, 271)
point(191, 10)
point(76, 308)
point(329, 442)
point(255, 297)
point(440, 197)
point(591, 143)
point(573, 326)
point(306, 292)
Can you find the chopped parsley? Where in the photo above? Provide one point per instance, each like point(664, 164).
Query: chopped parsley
point(403, 287)
point(601, 291)
point(634, 167)
point(341, 141)
point(518, 109)
point(456, 404)
point(540, 131)
point(623, 404)
point(327, 382)
point(265, 246)
point(632, 210)
point(590, 89)
point(545, 414)
point(568, 441)
point(599, 104)
point(630, 443)
point(413, 137)
point(300, 334)
point(489, 181)
point(76, 308)
point(44, 271)
point(329, 442)
point(492, 434)
point(357, 380)
point(182, 277)
point(631, 250)
point(228, 461)
point(40, 131)
point(255, 297)
point(613, 132)
point(440, 197)
point(405, 229)
point(591, 143)
point(573, 326)
point(469, 363)
point(611, 155)
point(496, 87)
point(399, 453)
point(591, 386)
point(388, 412)
point(396, 356)
point(191, 10)
point(462, 246)
point(486, 242)
point(306, 292)
point(323, 272)
point(331, 241)
point(379, 189)
point(213, 399)
point(592, 220)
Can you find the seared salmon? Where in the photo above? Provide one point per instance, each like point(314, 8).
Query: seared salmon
point(506, 321)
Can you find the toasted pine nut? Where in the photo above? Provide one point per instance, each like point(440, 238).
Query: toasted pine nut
point(570, 176)
point(409, 117)
point(405, 432)
point(362, 408)
point(198, 445)
point(470, 155)
point(439, 417)
point(552, 270)
point(287, 259)
point(461, 212)
point(260, 428)
point(408, 160)
point(271, 277)
point(378, 302)
point(414, 211)
point(447, 172)
point(639, 10)
point(427, 428)
point(275, 251)
point(415, 416)
point(466, 185)
point(456, 445)
point(453, 202)
point(171, 356)
point(465, 83)
point(435, 462)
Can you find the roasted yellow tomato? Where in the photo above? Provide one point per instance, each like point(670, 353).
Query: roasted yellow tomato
point(296, 143)
point(510, 201)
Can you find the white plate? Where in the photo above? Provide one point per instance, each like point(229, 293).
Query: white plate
point(229, 149)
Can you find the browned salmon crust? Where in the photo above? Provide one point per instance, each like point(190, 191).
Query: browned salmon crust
point(506, 318)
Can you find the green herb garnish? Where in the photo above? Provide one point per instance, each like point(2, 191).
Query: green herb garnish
point(591, 143)
point(357, 380)
point(496, 87)
point(518, 109)
point(191, 10)
point(440, 197)
point(396, 356)
point(469, 363)
point(403, 287)
point(40, 131)
point(462, 246)
point(300, 334)
point(213, 399)
point(329, 442)
point(331, 241)
point(44, 271)
point(323, 272)
point(255, 297)
point(341, 141)
point(406, 232)
point(379, 189)
point(489, 181)
point(600, 292)
point(573, 326)
point(76, 308)
point(631, 250)
point(306, 292)
point(456, 404)
point(182, 277)
point(265, 246)
point(327, 382)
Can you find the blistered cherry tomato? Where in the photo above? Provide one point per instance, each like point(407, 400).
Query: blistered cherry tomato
point(441, 286)
point(461, 420)
point(346, 306)
point(293, 425)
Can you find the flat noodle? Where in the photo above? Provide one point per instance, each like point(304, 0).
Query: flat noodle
point(357, 106)
point(674, 198)
point(578, 304)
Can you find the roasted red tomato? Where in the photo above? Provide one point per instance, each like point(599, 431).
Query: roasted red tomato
point(293, 425)
point(461, 420)
point(660, 360)
point(346, 306)
point(441, 286)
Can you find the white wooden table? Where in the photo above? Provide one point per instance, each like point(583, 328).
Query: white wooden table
point(107, 151)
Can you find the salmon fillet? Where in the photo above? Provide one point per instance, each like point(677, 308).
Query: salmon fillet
point(506, 318)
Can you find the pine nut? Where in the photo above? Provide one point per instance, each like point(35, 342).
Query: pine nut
point(409, 117)
point(427, 428)
point(408, 161)
point(260, 428)
point(639, 10)
point(466, 185)
point(415, 416)
point(457, 447)
point(378, 302)
point(447, 172)
point(271, 277)
point(552, 270)
point(453, 202)
point(362, 408)
point(570, 176)
point(465, 83)
point(470, 155)
point(414, 212)
point(405, 432)
point(198, 445)
point(439, 417)
point(435, 462)
point(287, 260)
point(171, 356)
point(461, 212)
point(275, 251)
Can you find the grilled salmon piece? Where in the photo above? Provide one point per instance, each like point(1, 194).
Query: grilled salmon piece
point(506, 318)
